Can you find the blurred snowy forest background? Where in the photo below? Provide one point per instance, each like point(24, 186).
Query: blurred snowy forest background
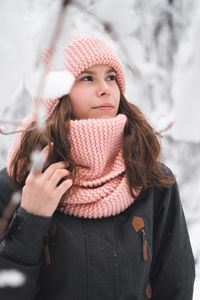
point(159, 44)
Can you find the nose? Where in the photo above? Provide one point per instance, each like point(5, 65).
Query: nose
point(103, 90)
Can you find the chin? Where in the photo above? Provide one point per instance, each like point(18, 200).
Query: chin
point(103, 115)
point(107, 117)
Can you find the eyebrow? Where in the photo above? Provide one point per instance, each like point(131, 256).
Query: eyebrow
point(93, 73)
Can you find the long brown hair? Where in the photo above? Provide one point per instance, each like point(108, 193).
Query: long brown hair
point(141, 147)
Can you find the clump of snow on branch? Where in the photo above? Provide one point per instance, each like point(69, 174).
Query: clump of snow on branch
point(56, 84)
point(11, 278)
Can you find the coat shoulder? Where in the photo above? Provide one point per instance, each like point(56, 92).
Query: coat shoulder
point(163, 197)
point(166, 170)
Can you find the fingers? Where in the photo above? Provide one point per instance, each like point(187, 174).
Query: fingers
point(53, 168)
point(63, 187)
point(57, 176)
point(52, 175)
point(44, 188)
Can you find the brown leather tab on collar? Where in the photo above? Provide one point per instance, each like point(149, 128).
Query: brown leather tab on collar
point(149, 291)
point(138, 223)
point(52, 228)
point(47, 255)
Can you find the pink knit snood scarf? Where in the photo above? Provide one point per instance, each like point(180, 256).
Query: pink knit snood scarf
point(103, 189)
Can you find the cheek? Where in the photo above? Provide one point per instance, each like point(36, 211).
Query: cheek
point(76, 98)
point(79, 101)
point(117, 94)
point(75, 95)
point(78, 93)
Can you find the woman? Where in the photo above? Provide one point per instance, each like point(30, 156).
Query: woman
point(102, 219)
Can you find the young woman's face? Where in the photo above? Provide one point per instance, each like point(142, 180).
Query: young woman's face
point(94, 87)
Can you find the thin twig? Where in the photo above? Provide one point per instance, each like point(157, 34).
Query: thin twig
point(10, 132)
point(17, 131)
point(166, 128)
point(109, 28)
point(11, 207)
point(51, 47)
point(9, 122)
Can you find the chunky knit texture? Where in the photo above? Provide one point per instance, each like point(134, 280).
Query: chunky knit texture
point(85, 51)
point(103, 189)
point(82, 52)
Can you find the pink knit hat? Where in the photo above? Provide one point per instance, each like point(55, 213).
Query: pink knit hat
point(82, 52)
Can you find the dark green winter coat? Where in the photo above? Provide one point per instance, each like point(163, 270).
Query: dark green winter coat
point(144, 252)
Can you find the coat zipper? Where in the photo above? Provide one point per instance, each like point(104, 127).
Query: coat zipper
point(144, 244)
point(46, 250)
point(51, 231)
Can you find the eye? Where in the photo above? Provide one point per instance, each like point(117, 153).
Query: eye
point(112, 77)
point(87, 78)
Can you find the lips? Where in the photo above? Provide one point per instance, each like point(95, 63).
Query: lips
point(104, 105)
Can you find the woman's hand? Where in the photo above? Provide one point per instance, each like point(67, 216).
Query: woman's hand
point(40, 194)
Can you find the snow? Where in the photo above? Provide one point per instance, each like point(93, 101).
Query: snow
point(56, 84)
point(37, 160)
point(12, 58)
point(11, 278)
point(186, 87)
point(16, 198)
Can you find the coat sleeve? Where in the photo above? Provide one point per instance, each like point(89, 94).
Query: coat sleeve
point(173, 268)
point(21, 249)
